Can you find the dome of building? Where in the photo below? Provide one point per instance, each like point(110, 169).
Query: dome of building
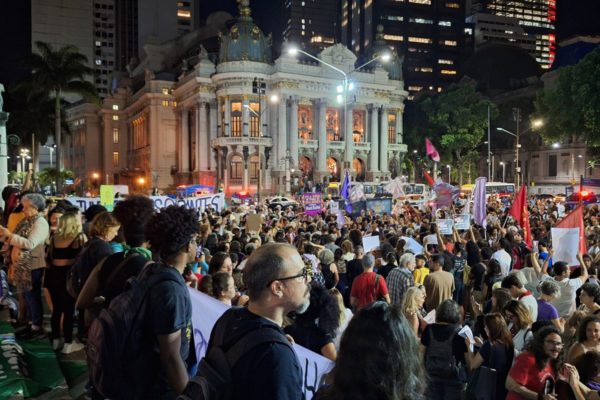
point(245, 41)
point(394, 65)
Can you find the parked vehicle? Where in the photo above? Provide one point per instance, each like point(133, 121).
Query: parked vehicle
point(283, 202)
point(584, 197)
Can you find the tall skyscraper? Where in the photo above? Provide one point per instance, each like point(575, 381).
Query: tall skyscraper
point(313, 24)
point(537, 17)
point(431, 35)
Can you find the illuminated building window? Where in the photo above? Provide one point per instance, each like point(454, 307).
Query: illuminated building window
point(397, 38)
point(115, 117)
point(443, 61)
point(332, 124)
point(426, 2)
point(115, 135)
point(316, 39)
point(165, 103)
point(415, 88)
point(421, 21)
point(305, 122)
point(394, 18)
point(253, 166)
point(391, 128)
point(184, 14)
point(254, 120)
point(452, 5)
point(165, 90)
point(445, 23)
point(235, 167)
point(236, 119)
point(419, 39)
point(115, 159)
point(448, 72)
point(174, 103)
point(424, 69)
point(449, 42)
point(358, 129)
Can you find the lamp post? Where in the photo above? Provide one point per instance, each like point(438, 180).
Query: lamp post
point(414, 166)
point(449, 172)
point(503, 170)
point(535, 124)
point(24, 155)
point(345, 88)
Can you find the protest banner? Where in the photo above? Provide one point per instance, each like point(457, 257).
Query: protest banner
point(200, 203)
point(444, 226)
point(207, 310)
point(312, 203)
point(380, 206)
point(462, 222)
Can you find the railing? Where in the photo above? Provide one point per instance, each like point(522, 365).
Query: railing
point(398, 147)
point(336, 145)
point(242, 140)
point(309, 144)
point(362, 146)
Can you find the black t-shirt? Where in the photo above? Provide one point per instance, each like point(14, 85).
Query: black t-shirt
point(169, 310)
point(96, 249)
point(477, 274)
point(500, 358)
point(270, 370)
point(131, 268)
point(353, 269)
point(311, 337)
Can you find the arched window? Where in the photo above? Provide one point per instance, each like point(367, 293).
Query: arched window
point(236, 168)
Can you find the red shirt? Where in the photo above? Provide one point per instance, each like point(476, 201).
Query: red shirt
point(363, 288)
point(526, 373)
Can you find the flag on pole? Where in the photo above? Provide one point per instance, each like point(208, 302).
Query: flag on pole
point(431, 151)
point(479, 203)
point(520, 213)
point(428, 178)
point(345, 192)
point(565, 234)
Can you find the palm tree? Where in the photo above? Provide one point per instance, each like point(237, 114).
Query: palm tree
point(57, 72)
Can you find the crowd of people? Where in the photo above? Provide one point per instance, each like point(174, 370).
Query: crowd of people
point(421, 316)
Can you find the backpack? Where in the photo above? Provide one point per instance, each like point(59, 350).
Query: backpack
point(117, 341)
point(74, 283)
point(439, 357)
point(213, 380)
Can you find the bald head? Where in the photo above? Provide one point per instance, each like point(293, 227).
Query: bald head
point(267, 263)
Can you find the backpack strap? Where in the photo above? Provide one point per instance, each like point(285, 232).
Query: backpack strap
point(252, 340)
point(116, 270)
point(376, 289)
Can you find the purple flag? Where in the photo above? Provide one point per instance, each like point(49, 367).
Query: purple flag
point(479, 203)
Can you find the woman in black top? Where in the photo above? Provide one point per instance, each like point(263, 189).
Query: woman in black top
point(64, 246)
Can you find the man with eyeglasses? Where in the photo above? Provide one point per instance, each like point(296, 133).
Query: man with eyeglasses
point(278, 283)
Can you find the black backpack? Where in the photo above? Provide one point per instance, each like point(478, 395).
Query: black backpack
point(118, 343)
point(439, 357)
point(213, 380)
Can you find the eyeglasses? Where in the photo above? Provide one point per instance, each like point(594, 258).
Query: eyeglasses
point(306, 275)
point(553, 343)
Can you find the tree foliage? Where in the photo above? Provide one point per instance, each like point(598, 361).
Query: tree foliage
point(572, 105)
point(459, 117)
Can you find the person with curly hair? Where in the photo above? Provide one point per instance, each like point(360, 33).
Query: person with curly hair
point(590, 298)
point(379, 359)
point(533, 374)
point(315, 329)
point(172, 234)
point(108, 279)
point(588, 337)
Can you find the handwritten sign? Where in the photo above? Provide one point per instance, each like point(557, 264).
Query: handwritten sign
point(312, 203)
point(107, 196)
point(462, 222)
point(444, 226)
point(205, 313)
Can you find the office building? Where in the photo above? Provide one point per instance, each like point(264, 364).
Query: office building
point(431, 35)
point(312, 24)
point(536, 17)
point(490, 28)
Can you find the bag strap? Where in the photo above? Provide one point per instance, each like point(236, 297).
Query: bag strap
point(116, 270)
point(376, 289)
point(252, 340)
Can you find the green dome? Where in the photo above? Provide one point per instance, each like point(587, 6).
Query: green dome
point(245, 41)
point(394, 66)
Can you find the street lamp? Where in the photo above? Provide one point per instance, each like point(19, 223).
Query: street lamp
point(24, 155)
point(503, 170)
point(535, 124)
point(344, 88)
point(449, 172)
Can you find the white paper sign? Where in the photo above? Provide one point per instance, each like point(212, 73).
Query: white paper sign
point(565, 242)
point(462, 222)
point(370, 243)
point(444, 226)
point(411, 244)
point(334, 208)
point(430, 317)
point(466, 332)
point(207, 310)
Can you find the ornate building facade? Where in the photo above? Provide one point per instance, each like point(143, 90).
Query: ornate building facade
point(243, 122)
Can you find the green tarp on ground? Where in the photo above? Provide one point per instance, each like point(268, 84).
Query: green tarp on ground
point(27, 368)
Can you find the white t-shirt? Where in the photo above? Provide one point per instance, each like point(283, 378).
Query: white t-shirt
point(533, 280)
point(531, 303)
point(522, 337)
point(565, 303)
point(504, 259)
point(340, 330)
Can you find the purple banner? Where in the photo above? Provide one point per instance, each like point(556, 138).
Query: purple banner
point(312, 203)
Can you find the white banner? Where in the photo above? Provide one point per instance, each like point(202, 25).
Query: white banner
point(207, 310)
point(200, 203)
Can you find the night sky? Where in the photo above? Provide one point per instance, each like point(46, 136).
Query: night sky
point(573, 17)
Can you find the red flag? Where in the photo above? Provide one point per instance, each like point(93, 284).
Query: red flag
point(431, 151)
point(428, 178)
point(574, 220)
point(520, 213)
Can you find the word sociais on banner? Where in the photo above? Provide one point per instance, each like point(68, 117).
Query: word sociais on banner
point(200, 203)
point(205, 313)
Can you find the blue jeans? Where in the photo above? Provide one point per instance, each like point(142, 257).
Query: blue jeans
point(33, 298)
point(444, 390)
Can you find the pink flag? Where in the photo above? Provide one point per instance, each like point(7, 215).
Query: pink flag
point(431, 151)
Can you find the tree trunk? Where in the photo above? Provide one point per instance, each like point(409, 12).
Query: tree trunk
point(57, 137)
